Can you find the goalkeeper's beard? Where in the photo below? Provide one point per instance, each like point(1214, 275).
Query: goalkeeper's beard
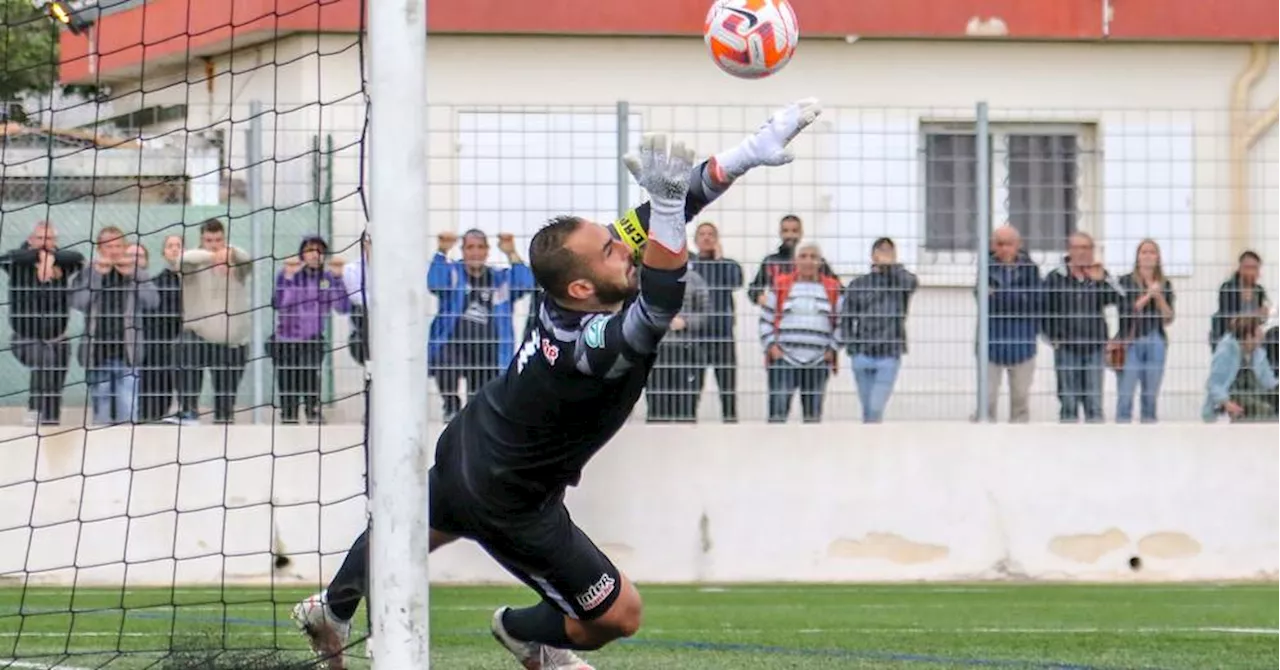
point(614, 293)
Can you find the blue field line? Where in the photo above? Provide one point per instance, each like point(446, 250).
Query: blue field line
point(846, 654)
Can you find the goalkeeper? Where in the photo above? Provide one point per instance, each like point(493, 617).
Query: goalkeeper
point(503, 464)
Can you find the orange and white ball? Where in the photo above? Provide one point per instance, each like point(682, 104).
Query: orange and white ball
point(751, 39)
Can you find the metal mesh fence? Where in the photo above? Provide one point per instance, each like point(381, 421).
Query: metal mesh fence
point(906, 174)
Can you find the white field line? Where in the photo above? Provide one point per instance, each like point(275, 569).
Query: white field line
point(29, 665)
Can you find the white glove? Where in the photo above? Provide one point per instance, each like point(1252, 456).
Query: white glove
point(665, 175)
point(768, 146)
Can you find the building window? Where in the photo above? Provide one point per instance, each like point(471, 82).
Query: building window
point(1035, 185)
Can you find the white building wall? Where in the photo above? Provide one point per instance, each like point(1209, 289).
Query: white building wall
point(898, 502)
point(1166, 103)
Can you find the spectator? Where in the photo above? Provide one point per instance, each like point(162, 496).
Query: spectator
point(1241, 295)
point(1240, 377)
point(874, 327)
point(1076, 294)
point(305, 293)
point(161, 335)
point(215, 306)
point(472, 336)
point(39, 275)
point(1014, 303)
point(717, 344)
point(798, 330)
point(1146, 310)
point(354, 279)
point(790, 232)
point(672, 393)
point(113, 295)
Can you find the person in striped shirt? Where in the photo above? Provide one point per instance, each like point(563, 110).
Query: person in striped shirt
point(799, 321)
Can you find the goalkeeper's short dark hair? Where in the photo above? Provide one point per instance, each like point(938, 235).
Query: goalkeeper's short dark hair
point(554, 265)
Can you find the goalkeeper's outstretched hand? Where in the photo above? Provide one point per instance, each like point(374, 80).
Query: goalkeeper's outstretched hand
point(663, 172)
point(768, 145)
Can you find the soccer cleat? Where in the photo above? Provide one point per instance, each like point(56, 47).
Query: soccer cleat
point(327, 633)
point(534, 655)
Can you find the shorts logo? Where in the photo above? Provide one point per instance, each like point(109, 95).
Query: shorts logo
point(593, 336)
point(597, 594)
point(550, 351)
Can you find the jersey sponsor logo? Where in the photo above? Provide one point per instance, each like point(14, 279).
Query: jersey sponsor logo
point(597, 593)
point(593, 335)
point(550, 351)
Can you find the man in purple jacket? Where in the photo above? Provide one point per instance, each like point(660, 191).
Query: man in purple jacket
point(305, 293)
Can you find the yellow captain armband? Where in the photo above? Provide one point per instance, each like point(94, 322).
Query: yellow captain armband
point(629, 230)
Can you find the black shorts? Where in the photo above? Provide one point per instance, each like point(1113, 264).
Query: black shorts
point(542, 548)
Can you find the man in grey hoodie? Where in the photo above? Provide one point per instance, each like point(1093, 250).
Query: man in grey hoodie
point(112, 293)
point(216, 310)
point(673, 391)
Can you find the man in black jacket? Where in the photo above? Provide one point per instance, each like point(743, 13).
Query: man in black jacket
point(790, 232)
point(1076, 293)
point(873, 321)
point(38, 313)
point(717, 344)
point(161, 338)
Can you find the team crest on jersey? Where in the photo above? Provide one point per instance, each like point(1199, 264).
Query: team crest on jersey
point(550, 351)
point(593, 336)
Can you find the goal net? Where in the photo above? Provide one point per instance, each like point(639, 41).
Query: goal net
point(182, 392)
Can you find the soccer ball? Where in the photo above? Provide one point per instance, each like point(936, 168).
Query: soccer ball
point(751, 38)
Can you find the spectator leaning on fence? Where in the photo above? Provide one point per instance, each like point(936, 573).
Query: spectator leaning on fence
point(673, 390)
point(716, 341)
point(162, 336)
point(472, 335)
point(354, 279)
point(1076, 293)
point(1241, 378)
point(113, 293)
point(215, 305)
point(873, 317)
point(1241, 295)
point(790, 232)
point(1015, 302)
point(798, 330)
point(39, 310)
point(1146, 310)
point(306, 291)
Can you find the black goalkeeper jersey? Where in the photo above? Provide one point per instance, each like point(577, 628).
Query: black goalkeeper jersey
point(570, 387)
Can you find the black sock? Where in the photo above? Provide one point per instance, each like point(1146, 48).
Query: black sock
point(541, 623)
point(348, 585)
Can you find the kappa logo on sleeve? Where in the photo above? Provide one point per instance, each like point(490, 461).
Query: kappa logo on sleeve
point(593, 335)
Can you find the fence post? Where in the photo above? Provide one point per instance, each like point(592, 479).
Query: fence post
point(263, 268)
point(983, 131)
point(624, 179)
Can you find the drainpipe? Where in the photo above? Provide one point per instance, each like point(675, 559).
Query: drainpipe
point(1244, 134)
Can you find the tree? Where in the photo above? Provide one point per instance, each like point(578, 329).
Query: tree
point(28, 50)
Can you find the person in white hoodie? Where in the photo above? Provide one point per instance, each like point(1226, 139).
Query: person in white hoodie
point(215, 309)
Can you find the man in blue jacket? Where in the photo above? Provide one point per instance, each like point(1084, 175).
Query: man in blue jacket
point(472, 336)
point(1015, 301)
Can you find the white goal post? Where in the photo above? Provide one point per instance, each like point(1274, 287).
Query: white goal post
point(398, 456)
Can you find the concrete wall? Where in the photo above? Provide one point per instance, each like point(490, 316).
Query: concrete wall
point(680, 504)
point(1168, 102)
